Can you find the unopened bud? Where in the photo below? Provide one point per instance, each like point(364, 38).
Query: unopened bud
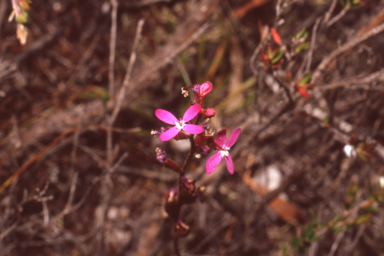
point(205, 88)
point(209, 112)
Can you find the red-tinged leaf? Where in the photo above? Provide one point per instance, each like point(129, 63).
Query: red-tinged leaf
point(22, 33)
point(277, 56)
point(275, 36)
point(288, 78)
point(301, 47)
point(306, 78)
point(264, 58)
point(304, 93)
point(277, 64)
point(308, 86)
point(263, 30)
point(24, 5)
point(369, 146)
point(269, 51)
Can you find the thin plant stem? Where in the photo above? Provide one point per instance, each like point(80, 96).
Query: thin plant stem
point(176, 245)
point(189, 157)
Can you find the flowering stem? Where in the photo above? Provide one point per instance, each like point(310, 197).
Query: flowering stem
point(186, 162)
point(189, 157)
point(176, 245)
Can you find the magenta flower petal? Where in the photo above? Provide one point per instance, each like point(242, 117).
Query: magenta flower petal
point(167, 135)
point(232, 139)
point(221, 137)
point(229, 162)
point(193, 129)
point(213, 162)
point(191, 112)
point(165, 116)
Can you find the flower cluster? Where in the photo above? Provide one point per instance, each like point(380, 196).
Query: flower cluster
point(193, 126)
point(189, 123)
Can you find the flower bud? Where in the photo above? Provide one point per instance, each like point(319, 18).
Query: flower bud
point(209, 112)
point(200, 91)
point(205, 88)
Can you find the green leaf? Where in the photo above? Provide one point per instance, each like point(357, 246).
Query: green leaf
point(302, 47)
point(95, 92)
point(363, 219)
point(296, 242)
point(337, 228)
point(310, 232)
point(278, 56)
point(302, 34)
point(374, 209)
point(362, 157)
point(337, 218)
point(305, 79)
point(22, 18)
point(285, 251)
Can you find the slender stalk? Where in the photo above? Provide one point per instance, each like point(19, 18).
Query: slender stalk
point(189, 157)
point(176, 245)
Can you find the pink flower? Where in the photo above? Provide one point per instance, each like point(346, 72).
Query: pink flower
point(169, 118)
point(224, 147)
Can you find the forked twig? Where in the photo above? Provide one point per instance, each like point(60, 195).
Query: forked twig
point(347, 46)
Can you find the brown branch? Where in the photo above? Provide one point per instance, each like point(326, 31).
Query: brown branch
point(37, 157)
point(347, 46)
point(241, 11)
point(126, 82)
point(112, 48)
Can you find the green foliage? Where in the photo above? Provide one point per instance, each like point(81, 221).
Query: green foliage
point(308, 236)
point(95, 92)
point(303, 34)
point(302, 47)
point(353, 4)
